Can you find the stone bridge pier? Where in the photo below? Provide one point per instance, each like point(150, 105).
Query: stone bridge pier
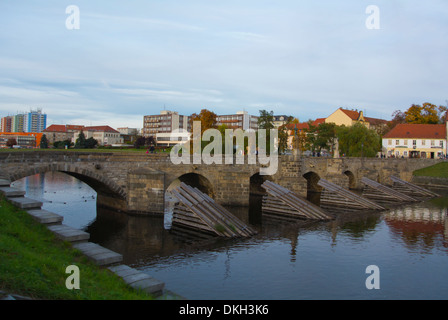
point(137, 183)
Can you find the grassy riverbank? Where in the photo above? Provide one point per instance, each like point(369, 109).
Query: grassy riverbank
point(439, 170)
point(33, 263)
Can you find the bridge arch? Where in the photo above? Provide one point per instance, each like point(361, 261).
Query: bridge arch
point(195, 180)
point(101, 184)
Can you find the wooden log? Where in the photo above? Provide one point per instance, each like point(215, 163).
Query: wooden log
point(338, 196)
point(197, 210)
point(378, 190)
point(412, 189)
point(299, 205)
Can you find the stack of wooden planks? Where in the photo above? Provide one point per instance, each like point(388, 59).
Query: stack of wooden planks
point(381, 193)
point(198, 212)
point(284, 203)
point(336, 198)
point(412, 189)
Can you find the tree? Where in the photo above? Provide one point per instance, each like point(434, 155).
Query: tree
point(358, 141)
point(207, 118)
point(321, 137)
point(62, 144)
point(44, 142)
point(90, 143)
point(144, 142)
point(11, 142)
point(81, 141)
point(427, 113)
point(266, 120)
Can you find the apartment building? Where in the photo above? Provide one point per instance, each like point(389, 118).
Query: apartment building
point(241, 120)
point(33, 121)
point(163, 126)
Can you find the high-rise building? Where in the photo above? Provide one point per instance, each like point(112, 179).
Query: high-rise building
point(35, 121)
point(6, 124)
point(18, 123)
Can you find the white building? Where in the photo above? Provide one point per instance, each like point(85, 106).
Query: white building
point(105, 135)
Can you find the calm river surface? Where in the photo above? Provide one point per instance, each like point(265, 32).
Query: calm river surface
point(325, 260)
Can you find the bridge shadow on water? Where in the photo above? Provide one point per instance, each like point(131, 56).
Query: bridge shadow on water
point(144, 240)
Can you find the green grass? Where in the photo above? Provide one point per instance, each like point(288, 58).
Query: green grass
point(439, 170)
point(33, 264)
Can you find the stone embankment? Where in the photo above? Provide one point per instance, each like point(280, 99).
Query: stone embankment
point(103, 257)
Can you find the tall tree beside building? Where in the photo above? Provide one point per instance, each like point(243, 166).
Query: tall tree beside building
point(44, 142)
point(81, 141)
point(207, 118)
point(266, 120)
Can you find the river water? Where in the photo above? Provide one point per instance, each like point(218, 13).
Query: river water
point(284, 261)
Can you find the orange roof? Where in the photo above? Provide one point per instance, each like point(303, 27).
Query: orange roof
point(318, 121)
point(352, 114)
point(56, 128)
point(417, 131)
point(100, 128)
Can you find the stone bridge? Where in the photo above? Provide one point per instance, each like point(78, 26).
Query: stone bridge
point(136, 183)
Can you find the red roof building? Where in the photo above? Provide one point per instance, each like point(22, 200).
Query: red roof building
point(416, 141)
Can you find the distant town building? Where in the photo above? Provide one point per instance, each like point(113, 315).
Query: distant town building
point(129, 135)
point(350, 117)
point(22, 139)
point(105, 135)
point(6, 124)
point(60, 132)
point(163, 125)
point(35, 121)
point(280, 120)
point(241, 120)
point(416, 141)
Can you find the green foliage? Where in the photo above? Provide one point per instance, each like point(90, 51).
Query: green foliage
point(266, 120)
point(321, 137)
point(44, 142)
point(358, 140)
point(62, 144)
point(81, 141)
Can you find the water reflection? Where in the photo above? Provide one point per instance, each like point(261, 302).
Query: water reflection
point(285, 260)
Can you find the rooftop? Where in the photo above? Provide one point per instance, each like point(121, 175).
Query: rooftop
point(417, 131)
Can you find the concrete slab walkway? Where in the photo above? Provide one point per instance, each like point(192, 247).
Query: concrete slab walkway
point(138, 279)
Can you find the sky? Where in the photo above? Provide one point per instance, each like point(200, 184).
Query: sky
point(133, 58)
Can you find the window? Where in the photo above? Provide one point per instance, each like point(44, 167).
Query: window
point(397, 142)
point(432, 143)
point(405, 142)
point(423, 142)
point(414, 142)
point(441, 143)
point(389, 142)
